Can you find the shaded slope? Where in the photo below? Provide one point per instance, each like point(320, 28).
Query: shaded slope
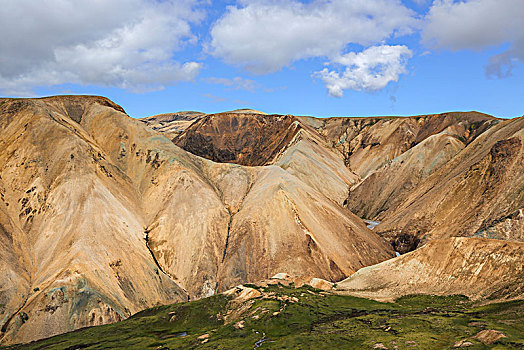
point(246, 139)
point(369, 143)
point(479, 192)
point(476, 267)
point(385, 188)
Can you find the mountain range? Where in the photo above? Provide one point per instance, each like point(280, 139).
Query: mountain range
point(103, 215)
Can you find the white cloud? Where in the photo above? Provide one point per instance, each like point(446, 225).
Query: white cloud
point(265, 35)
point(371, 69)
point(476, 25)
point(122, 43)
point(236, 83)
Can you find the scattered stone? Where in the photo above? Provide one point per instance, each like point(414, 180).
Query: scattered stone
point(243, 293)
point(275, 313)
point(239, 324)
point(379, 346)
point(249, 293)
point(281, 276)
point(489, 336)
point(462, 344)
point(203, 336)
point(320, 283)
point(204, 341)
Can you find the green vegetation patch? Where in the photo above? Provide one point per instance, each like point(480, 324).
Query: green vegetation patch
point(304, 318)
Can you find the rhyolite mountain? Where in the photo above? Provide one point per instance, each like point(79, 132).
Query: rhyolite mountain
point(103, 215)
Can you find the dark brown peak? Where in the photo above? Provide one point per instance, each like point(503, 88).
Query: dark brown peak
point(246, 139)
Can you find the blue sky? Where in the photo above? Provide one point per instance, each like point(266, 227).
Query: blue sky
point(317, 57)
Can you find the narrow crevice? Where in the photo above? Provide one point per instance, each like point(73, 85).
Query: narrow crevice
point(228, 233)
point(146, 238)
point(220, 264)
point(231, 215)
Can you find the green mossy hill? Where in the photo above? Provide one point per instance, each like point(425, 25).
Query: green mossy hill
point(282, 317)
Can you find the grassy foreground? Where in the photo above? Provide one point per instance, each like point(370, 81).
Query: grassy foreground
point(303, 318)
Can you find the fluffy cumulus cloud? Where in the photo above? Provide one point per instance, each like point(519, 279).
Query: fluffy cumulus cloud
point(265, 35)
point(371, 69)
point(476, 25)
point(123, 43)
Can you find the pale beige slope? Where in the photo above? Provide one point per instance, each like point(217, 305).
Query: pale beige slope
point(183, 216)
point(480, 189)
point(208, 247)
point(316, 163)
point(75, 220)
point(188, 234)
point(476, 267)
point(285, 225)
point(386, 188)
